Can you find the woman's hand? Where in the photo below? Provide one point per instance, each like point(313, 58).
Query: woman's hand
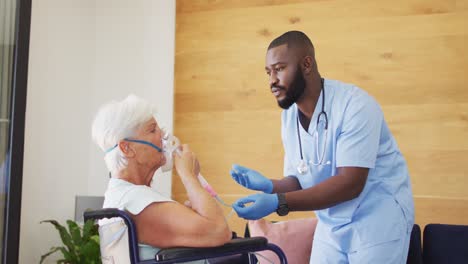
point(186, 162)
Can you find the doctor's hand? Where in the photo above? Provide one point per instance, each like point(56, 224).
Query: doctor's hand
point(251, 179)
point(256, 206)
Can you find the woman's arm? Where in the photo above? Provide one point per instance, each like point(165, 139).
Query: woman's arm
point(170, 224)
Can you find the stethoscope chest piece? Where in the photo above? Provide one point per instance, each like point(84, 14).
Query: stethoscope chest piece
point(302, 167)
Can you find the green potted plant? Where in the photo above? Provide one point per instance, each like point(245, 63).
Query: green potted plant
point(80, 244)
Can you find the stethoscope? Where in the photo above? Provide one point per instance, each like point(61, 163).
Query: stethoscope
point(303, 167)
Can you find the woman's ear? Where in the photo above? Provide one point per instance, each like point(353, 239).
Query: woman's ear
point(126, 149)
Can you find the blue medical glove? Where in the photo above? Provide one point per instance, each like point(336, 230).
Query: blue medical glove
point(251, 179)
point(262, 204)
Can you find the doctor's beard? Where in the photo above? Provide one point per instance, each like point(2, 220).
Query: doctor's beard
point(295, 91)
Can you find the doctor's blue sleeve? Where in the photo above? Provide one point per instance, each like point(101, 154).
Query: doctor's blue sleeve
point(358, 141)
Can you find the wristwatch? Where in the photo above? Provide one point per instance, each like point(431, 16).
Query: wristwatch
point(283, 208)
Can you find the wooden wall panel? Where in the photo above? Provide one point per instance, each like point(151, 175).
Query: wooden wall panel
point(410, 55)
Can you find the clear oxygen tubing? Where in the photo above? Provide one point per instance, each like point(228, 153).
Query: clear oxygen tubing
point(213, 193)
point(171, 144)
point(210, 190)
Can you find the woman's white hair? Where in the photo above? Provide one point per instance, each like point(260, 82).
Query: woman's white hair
point(118, 120)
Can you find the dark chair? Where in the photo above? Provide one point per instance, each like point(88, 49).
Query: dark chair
point(176, 255)
point(415, 248)
point(445, 244)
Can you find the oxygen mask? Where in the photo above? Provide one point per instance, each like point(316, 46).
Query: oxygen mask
point(170, 145)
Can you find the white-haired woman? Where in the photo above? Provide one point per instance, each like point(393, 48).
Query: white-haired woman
point(130, 136)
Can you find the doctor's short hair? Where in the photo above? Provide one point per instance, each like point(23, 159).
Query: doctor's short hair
point(115, 121)
point(296, 40)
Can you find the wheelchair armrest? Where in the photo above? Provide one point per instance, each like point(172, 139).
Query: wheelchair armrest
point(104, 213)
point(237, 245)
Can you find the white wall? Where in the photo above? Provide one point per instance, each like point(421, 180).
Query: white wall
point(84, 53)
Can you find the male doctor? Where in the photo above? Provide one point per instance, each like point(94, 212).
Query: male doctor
point(341, 161)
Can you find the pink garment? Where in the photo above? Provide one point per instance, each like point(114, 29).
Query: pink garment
point(294, 237)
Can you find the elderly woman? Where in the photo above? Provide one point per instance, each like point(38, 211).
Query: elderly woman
point(130, 136)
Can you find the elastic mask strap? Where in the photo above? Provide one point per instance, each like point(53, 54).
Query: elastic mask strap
point(145, 143)
point(137, 141)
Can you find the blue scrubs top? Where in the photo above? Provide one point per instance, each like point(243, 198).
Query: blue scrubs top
point(358, 136)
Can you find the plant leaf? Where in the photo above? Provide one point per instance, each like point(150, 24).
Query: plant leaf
point(75, 233)
point(91, 251)
point(64, 235)
point(69, 258)
point(51, 251)
point(81, 244)
point(95, 238)
point(89, 229)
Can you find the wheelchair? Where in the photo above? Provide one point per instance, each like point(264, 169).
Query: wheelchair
point(237, 246)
